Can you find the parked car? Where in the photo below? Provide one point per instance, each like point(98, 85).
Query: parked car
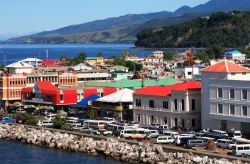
point(45, 123)
point(241, 150)
point(20, 110)
point(91, 131)
point(225, 143)
point(179, 137)
point(217, 134)
point(164, 140)
point(163, 127)
point(195, 143)
point(154, 133)
point(106, 132)
point(7, 120)
point(154, 125)
point(235, 134)
point(173, 134)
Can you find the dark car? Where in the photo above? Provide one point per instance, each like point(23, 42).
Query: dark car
point(73, 112)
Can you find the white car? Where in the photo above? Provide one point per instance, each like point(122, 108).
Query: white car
point(165, 140)
point(225, 143)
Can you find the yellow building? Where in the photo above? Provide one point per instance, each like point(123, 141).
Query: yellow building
point(94, 61)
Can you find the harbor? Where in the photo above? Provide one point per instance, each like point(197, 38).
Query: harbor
point(119, 149)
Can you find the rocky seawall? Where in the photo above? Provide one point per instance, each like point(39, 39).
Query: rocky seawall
point(134, 153)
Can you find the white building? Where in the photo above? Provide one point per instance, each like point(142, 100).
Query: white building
point(19, 67)
point(82, 67)
point(187, 73)
point(32, 61)
point(92, 76)
point(174, 105)
point(235, 55)
point(158, 54)
point(226, 96)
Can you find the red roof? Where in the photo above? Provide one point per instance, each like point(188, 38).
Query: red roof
point(166, 90)
point(45, 85)
point(50, 63)
point(190, 85)
point(27, 90)
point(226, 67)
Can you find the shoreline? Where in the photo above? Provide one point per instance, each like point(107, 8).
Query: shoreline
point(115, 148)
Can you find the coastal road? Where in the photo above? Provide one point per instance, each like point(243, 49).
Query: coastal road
point(219, 153)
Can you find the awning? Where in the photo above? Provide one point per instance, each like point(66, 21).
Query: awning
point(84, 103)
point(122, 96)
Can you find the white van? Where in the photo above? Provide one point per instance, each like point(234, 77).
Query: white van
point(170, 133)
point(164, 140)
point(225, 143)
point(179, 137)
point(108, 120)
point(154, 133)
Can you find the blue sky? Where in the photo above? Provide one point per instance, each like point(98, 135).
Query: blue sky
point(25, 16)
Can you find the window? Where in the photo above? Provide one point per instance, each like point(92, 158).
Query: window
point(175, 121)
point(165, 120)
point(175, 104)
point(193, 122)
point(244, 110)
point(193, 104)
point(232, 74)
point(138, 118)
point(138, 102)
point(182, 105)
point(244, 94)
point(189, 73)
point(152, 119)
point(232, 109)
point(231, 93)
point(219, 92)
point(151, 103)
point(165, 104)
point(244, 73)
point(220, 108)
point(61, 97)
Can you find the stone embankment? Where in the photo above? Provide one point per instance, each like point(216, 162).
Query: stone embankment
point(134, 153)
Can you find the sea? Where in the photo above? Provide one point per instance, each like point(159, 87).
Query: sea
point(10, 53)
point(17, 153)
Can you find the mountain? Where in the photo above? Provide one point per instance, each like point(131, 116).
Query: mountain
point(226, 29)
point(123, 29)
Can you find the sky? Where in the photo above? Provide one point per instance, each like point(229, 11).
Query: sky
point(29, 16)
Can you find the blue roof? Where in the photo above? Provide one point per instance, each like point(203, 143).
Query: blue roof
point(84, 102)
point(232, 52)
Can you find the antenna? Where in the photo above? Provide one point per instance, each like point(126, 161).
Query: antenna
point(4, 60)
point(47, 54)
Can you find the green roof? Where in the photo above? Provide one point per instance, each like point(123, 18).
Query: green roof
point(137, 84)
point(92, 58)
point(118, 71)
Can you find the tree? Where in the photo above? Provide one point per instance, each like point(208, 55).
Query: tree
point(168, 55)
point(216, 51)
point(99, 54)
point(124, 54)
point(203, 56)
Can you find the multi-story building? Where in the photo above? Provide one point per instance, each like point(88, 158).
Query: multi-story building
point(226, 96)
point(11, 84)
point(10, 87)
point(45, 93)
point(174, 105)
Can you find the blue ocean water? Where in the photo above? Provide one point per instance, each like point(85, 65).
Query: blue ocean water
point(10, 53)
point(17, 153)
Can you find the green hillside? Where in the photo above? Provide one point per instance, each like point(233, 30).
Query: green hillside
point(225, 29)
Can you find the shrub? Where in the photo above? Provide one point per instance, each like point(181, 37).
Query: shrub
point(27, 118)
